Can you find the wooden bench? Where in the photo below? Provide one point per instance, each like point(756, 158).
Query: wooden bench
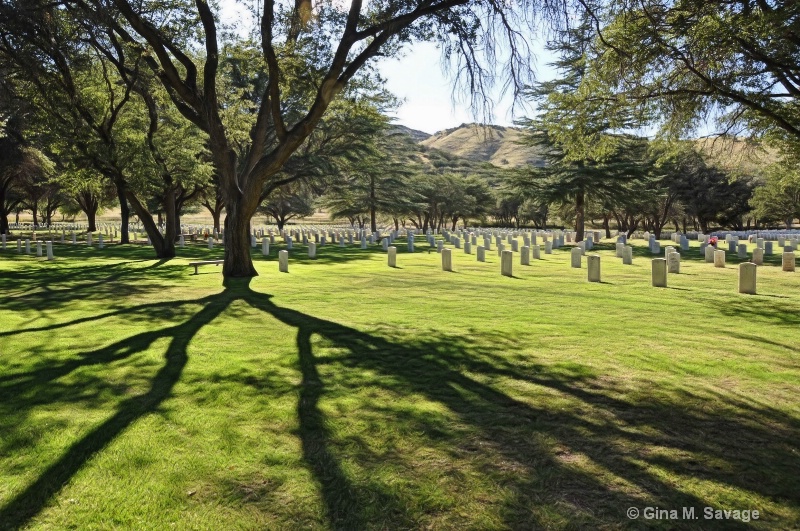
point(205, 262)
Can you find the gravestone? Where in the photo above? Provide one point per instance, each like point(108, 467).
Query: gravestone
point(481, 253)
point(283, 261)
point(742, 251)
point(593, 266)
point(525, 255)
point(515, 246)
point(719, 258)
point(312, 250)
point(659, 273)
point(747, 278)
point(537, 252)
point(363, 242)
point(467, 247)
point(709, 253)
point(27, 246)
point(655, 247)
point(500, 248)
point(620, 249)
point(210, 242)
point(447, 260)
point(3, 241)
point(50, 250)
point(38, 248)
point(410, 243)
point(253, 242)
point(674, 262)
point(758, 256)
point(684, 243)
point(575, 255)
point(75, 238)
point(439, 246)
point(589, 244)
point(392, 256)
point(548, 247)
point(19, 246)
point(100, 242)
point(506, 263)
point(181, 241)
point(289, 243)
point(787, 262)
point(89, 239)
point(457, 242)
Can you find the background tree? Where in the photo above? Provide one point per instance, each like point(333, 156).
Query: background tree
point(778, 199)
point(574, 131)
point(290, 201)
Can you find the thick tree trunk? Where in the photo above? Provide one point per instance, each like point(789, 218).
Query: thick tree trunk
point(125, 214)
point(238, 262)
point(3, 212)
point(580, 212)
point(607, 225)
point(91, 216)
point(216, 215)
point(163, 248)
point(171, 223)
point(3, 221)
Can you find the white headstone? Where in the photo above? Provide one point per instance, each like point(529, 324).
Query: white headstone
point(283, 261)
point(659, 272)
point(447, 260)
point(719, 258)
point(747, 278)
point(481, 253)
point(593, 265)
point(575, 255)
point(506, 263)
point(392, 256)
point(787, 261)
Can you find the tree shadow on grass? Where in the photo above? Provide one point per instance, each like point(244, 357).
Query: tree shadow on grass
point(579, 459)
point(672, 430)
point(27, 504)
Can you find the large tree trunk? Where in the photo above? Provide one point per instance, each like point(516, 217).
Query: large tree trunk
point(238, 262)
point(125, 213)
point(3, 220)
point(580, 212)
point(607, 225)
point(91, 216)
point(216, 215)
point(162, 247)
point(3, 212)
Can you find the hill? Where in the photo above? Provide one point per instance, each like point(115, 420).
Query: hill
point(485, 143)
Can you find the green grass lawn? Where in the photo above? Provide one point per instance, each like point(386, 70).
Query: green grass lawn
point(348, 395)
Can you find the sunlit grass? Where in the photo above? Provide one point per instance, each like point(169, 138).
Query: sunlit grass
point(349, 395)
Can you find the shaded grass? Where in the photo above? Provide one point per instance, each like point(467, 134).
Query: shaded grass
point(349, 395)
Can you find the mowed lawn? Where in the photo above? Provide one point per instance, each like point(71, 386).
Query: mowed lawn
point(348, 395)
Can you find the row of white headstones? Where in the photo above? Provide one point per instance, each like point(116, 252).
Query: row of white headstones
point(551, 240)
